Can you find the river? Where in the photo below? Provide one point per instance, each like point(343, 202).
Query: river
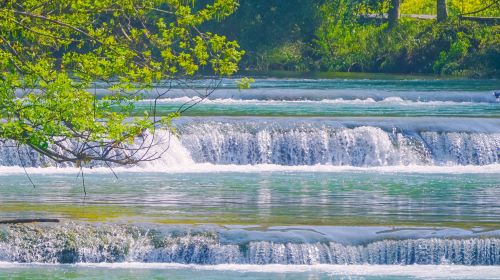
point(291, 179)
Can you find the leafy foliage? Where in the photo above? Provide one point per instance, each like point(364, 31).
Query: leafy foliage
point(456, 7)
point(414, 46)
point(333, 35)
point(346, 43)
point(53, 52)
point(273, 32)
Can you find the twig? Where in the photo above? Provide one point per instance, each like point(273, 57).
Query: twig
point(24, 167)
point(83, 181)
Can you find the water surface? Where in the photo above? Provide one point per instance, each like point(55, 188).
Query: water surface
point(264, 198)
point(343, 178)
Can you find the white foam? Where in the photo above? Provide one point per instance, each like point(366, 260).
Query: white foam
point(393, 100)
point(258, 168)
point(419, 271)
point(176, 157)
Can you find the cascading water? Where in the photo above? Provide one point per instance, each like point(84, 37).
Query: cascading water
point(12, 155)
point(73, 243)
point(302, 174)
point(309, 144)
point(303, 144)
point(164, 148)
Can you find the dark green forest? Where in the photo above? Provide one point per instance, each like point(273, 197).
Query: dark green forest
point(367, 36)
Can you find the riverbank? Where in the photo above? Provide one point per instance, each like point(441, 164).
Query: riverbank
point(336, 36)
point(449, 50)
point(492, 82)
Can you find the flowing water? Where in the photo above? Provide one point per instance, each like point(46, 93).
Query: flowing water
point(292, 179)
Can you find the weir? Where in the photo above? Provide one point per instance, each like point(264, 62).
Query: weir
point(232, 141)
point(310, 144)
point(73, 243)
point(362, 175)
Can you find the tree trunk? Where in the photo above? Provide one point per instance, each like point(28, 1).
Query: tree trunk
point(394, 13)
point(442, 11)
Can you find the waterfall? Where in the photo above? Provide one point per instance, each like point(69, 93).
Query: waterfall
point(301, 144)
point(164, 147)
point(310, 144)
point(71, 243)
point(410, 251)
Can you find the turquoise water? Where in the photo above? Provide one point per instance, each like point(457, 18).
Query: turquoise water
point(254, 273)
point(295, 178)
point(327, 109)
point(339, 97)
point(264, 198)
point(352, 81)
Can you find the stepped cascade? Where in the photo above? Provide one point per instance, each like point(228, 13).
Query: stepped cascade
point(304, 144)
point(250, 143)
point(80, 243)
point(293, 178)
